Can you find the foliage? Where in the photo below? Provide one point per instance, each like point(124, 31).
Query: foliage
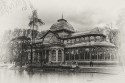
point(35, 21)
point(12, 43)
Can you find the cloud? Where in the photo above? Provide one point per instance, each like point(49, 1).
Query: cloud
point(80, 20)
point(79, 13)
point(90, 18)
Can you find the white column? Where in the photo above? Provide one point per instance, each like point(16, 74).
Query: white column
point(74, 55)
point(84, 55)
point(56, 55)
point(69, 54)
point(110, 55)
point(33, 55)
point(91, 54)
point(97, 53)
point(38, 57)
point(104, 55)
point(50, 55)
point(62, 55)
point(45, 54)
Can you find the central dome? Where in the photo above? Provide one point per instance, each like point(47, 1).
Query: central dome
point(62, 24)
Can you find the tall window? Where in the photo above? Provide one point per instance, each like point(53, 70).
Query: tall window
point(81, 53)
point(112, 57)
point(101, 56)
point(53, 55)
point(87, 53)
point(87, 56)
point(107, 56)
point(59, 55)
point(67, 55)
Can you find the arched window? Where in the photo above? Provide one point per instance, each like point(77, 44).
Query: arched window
point(92, 38)
point(81, 53)
point(93, 57)
point(67, 55)
point(59, 55)
point(98, 38)
point(86, 39)
point(65, 41)
point(73, 40)
point(87, 54)
point(107, 56)
point(70, 41)
point(112, 57)
point(101, 56)
point(76, 54)
point(82, 39)
point(53, 55)
point(77, 39)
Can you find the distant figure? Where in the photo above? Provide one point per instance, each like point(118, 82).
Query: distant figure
point(91, 64)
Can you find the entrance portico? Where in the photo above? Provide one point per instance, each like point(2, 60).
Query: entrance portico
point(56, 54)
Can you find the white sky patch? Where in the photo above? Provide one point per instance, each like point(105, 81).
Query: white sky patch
point(79, 13)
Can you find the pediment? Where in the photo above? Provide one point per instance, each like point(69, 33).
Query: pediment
point(51, 37)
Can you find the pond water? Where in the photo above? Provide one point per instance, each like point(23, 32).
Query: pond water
point(16, 76)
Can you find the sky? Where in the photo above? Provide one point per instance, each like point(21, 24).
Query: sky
point(81, 14)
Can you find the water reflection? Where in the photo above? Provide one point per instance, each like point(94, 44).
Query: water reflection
point(15, 76)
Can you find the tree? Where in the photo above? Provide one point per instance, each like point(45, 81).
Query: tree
point(20, 46)
point(11, 50)
point(34, 23)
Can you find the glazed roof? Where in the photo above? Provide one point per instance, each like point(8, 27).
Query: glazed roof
point(91, 44)
point(86, 33)
point(92, 31)
point(62, 24)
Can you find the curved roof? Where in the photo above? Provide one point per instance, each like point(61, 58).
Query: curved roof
point(91, 44)
point(94, 31)
point(86, 34)
point(62, 24)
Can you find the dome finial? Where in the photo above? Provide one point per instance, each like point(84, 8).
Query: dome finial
point(62, 19)
point(62, 15)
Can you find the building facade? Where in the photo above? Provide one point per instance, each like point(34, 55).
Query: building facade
point(63, 44)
